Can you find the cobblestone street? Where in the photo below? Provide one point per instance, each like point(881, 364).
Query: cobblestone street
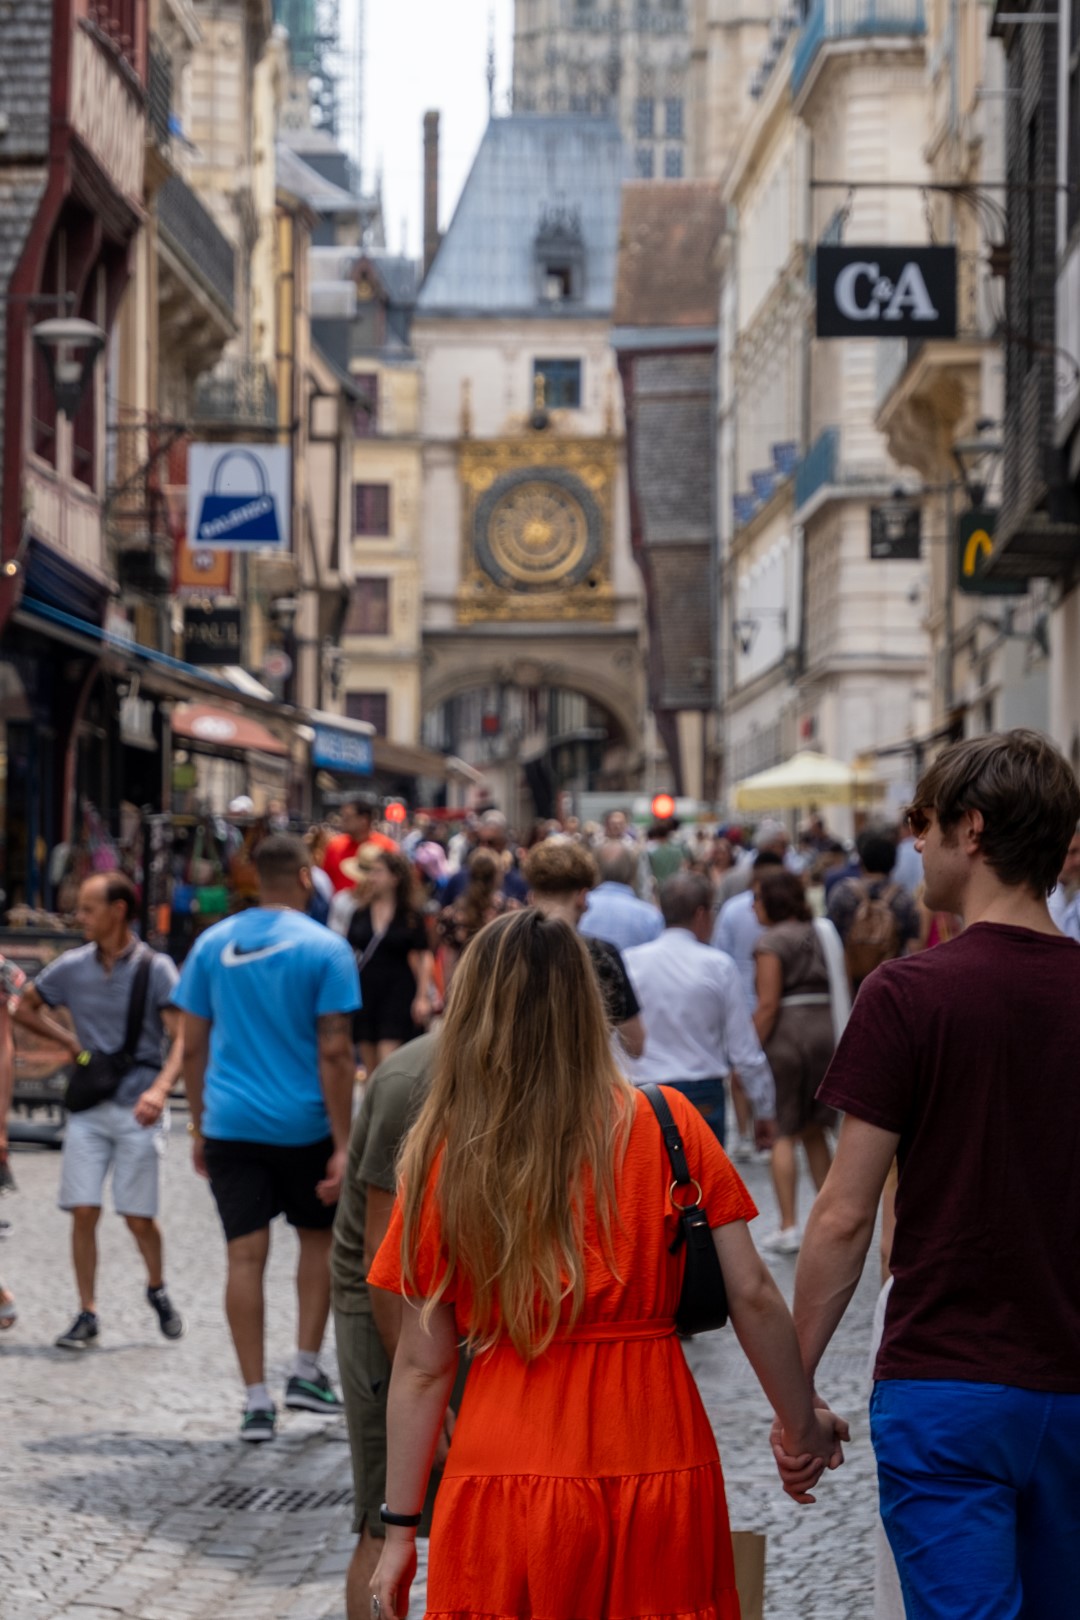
point(125, 1493)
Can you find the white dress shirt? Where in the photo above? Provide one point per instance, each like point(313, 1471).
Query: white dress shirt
point(696, 1018)
point(736, 932)
point(1065, 910)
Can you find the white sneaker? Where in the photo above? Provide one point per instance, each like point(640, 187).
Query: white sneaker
point(785, 1240)
point(743, 1151)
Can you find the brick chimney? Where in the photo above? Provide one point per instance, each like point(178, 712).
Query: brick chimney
point(431, 188)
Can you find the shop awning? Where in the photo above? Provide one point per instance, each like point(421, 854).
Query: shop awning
point(218, 728)
point(170, 677)
point(805, 780)
point(408, 759)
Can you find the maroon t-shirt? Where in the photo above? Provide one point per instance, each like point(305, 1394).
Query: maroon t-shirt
point(971, 1052)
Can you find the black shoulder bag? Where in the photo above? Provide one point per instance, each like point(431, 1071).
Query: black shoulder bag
point(96, 1076)
point(703, 1304)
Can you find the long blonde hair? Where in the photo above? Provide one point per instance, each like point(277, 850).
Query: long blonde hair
point(531, 1109)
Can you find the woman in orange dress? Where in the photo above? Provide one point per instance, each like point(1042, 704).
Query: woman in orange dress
point(534, 1222)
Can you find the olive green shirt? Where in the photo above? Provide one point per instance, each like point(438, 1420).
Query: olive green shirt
point(392, 1099)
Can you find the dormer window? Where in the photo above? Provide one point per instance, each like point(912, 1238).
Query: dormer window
point(559, 250)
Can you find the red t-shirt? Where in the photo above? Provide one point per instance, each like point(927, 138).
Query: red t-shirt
point(342, 848)
point(971, 1052)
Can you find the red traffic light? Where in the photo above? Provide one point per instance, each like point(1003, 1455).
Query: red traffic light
point(663, 806)
point(396, 812)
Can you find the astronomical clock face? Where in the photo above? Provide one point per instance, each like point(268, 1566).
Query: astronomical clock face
point(537, 531)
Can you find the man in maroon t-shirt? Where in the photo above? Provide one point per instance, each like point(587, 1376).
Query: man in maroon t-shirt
point(964, 1062)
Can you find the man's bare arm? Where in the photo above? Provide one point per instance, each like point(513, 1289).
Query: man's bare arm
point(154, 1100)
point(28, 1015)
point(838, 1233)
point(337, 1074)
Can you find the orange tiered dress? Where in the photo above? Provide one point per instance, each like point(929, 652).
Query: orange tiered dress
point(587, 1483)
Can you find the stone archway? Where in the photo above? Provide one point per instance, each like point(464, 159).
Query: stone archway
point(608, 669)
point(550, 676)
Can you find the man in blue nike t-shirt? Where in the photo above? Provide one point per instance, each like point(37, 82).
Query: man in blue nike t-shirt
point(268, 998)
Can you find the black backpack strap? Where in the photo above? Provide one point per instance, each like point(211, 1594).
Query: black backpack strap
point(672, 1140)
point(140, 985)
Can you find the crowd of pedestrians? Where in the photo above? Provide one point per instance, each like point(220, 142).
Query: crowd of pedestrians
point(437, 1058)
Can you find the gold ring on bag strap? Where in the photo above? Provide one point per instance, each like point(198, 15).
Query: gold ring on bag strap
point(675, 1201)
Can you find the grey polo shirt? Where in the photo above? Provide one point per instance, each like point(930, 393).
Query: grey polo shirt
point(98, 1003)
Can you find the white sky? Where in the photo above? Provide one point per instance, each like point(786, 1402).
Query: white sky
point(423, 54)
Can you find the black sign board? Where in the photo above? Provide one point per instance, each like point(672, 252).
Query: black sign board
point(886, 292)
point(895, 532)
point(974, 543)
point(212, 635)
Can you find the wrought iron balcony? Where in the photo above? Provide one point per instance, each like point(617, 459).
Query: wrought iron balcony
point(237, 393)
point(818, 467)
point(852, 19)
point(159, 92)
point(194, 236)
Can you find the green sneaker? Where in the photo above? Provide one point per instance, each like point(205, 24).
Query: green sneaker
point(259, 1425)
point(312, 1395)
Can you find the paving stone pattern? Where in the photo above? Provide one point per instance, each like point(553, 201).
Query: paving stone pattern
point(110, 1461)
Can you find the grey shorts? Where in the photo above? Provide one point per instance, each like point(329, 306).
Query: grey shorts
point(109, 1137)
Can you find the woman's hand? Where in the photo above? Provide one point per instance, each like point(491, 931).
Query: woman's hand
point(802, 1459)
point(394, 1575)
point(421, 1011)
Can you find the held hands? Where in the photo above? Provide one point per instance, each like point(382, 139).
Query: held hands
point(801, 1459)
point(328, 1191)
point(394, 1575)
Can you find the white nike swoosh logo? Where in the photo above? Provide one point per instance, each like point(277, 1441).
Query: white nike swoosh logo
point(232, 957)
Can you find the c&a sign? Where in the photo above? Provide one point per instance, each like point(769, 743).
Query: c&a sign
point(886, 292)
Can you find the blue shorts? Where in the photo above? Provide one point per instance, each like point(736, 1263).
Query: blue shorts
point(709, 1097)
point(979, 1498)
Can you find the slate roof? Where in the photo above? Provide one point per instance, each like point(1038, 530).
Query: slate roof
point(322, 196)
point(668, 235)
point(529, 165)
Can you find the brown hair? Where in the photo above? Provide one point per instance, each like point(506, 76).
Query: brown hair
point(529, 1110)
point(279, 859)
point(400, 869)
point(558, 866)
point(473, 909)
point(1027, 794)
point(782, 896)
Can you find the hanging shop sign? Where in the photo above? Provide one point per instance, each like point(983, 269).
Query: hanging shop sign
point(212, 635)
point(886, 292)
point(238, 497)
point(895, 532)
point(974, 544)
point(348, 751)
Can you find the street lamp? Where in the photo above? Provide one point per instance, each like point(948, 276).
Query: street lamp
point(974, 458)
point(70, 348)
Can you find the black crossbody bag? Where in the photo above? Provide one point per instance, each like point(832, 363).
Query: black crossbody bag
point(703, 1304)
point(95, 1076)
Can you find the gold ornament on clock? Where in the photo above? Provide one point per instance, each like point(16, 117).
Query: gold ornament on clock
point(537, 534)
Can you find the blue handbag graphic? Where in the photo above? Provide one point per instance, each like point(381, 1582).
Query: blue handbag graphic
point(251, 515)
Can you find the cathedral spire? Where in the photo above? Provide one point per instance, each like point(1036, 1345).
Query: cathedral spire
point(491, 64)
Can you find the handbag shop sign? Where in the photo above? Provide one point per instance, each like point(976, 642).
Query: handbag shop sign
point(238, 497)
point(886, 292)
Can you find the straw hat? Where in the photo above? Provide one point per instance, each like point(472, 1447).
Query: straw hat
point(356, 867)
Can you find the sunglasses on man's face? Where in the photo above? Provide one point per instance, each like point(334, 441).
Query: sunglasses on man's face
point(918, 823)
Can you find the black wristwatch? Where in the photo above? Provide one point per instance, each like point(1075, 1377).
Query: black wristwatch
point(404, 1521)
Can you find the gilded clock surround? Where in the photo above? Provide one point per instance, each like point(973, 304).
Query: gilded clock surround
point(536, 529)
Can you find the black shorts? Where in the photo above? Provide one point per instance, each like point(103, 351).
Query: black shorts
point(254, 1181)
